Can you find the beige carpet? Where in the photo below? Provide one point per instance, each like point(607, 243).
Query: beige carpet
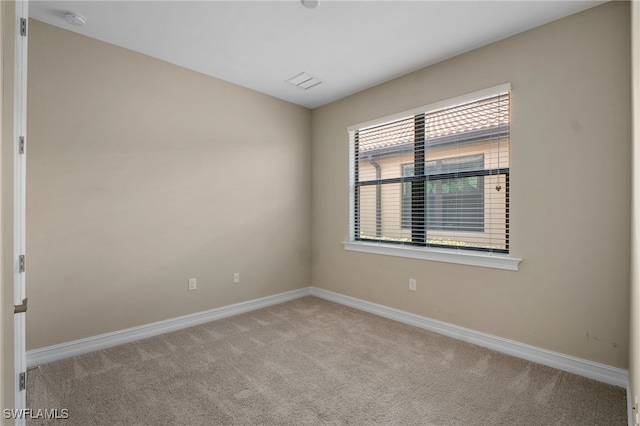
point(310, 361)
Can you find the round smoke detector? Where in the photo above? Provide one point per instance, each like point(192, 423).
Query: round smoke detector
point(310, 4)
point(75, 19)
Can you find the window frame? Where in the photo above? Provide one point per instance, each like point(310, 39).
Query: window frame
point(421, 249)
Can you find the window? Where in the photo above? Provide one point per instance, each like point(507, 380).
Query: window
point(436, 176)
point(456, 204)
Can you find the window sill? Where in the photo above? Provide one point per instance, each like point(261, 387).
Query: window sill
point(462, 257)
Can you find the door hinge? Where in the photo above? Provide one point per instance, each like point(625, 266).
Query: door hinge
point(21, 264)
point(22, 381)
point(22, 145)
point(22, 308)
point(23, 27)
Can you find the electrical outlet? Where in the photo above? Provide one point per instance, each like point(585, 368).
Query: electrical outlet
point(236, 277)
point(412, 284)
point(192, 284)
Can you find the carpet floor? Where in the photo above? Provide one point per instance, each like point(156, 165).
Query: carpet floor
point(310, 361)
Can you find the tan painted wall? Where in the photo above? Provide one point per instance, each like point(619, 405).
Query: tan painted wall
point(570, 191)
point(7, 14)
point(142, 174)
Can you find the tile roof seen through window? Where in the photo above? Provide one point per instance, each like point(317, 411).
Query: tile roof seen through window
point(478, 116)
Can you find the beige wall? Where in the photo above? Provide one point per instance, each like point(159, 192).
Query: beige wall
point(142, 174)
point(7, 14)
point(570, 191)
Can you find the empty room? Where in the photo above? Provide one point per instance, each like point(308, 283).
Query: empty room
point(319, 212)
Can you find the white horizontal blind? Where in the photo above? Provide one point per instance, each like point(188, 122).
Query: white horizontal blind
point(437, 178)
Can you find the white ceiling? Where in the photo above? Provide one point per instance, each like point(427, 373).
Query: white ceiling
point(348, 45)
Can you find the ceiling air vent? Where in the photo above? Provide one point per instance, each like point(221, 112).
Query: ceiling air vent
point(304, 81)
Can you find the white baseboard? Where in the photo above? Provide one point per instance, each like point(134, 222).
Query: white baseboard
point(593, 370)
point(107, 340)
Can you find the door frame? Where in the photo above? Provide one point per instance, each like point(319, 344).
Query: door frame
point(19, 201)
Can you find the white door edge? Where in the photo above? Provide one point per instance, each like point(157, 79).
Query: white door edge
point(19, 203)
